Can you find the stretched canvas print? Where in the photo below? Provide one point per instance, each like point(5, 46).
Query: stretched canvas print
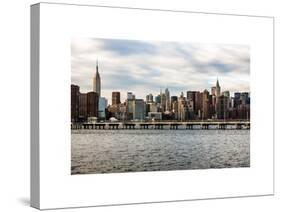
point(148, 105)
point(158, 106)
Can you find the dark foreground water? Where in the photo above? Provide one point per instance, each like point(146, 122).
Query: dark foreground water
point(113, 151)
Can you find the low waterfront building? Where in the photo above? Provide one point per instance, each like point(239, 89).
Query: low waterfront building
point(157, 116)
point(151, 107)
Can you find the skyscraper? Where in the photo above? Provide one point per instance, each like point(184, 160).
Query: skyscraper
point(92, 104)
point(115, 98)
point(149, 98)
point(198, 104)
point(75, 91)
point(218, 88)
point(130, 96)
point(237, 99)
point(206, 105)
point(97, 81)
point(222, 108)
point(190, 95)
point(138, 109)
point(226, 93)
point(163, 102)
point(213, 90)
point(182, 109)
point(102, 107)
point(158, 99)
point(168, 101)
point(83, 104)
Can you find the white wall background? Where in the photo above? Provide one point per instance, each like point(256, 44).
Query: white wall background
point(14, 103)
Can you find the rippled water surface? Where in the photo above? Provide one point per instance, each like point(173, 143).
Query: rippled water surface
point(109, 151)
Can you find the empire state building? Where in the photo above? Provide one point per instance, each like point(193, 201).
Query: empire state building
point(96, 81)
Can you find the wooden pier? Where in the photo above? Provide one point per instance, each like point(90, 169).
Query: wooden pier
point(161, 125)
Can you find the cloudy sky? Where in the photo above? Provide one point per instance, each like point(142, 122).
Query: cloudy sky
point(144, 67)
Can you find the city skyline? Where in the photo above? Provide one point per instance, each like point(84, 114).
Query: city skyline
point(216, 104)
point(146, 67)
point(96, 81)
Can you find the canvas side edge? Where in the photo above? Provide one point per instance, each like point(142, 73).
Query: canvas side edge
point(34, 106)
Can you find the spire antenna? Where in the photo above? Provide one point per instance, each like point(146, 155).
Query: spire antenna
point(97, 66)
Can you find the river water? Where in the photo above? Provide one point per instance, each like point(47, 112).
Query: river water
point(116, 151)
